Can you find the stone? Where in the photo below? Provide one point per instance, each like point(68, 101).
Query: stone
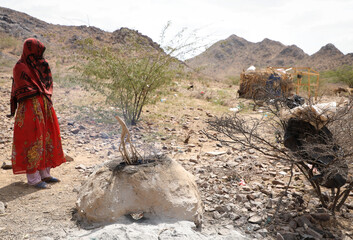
point(314, 233)
point(104, 135)
point(262, 231)
point(251, 151)
point(293, 224)
point(81, 166)
point(278, 182)
point(2, 208)
point(288, 236)
point(223, 209)
point(240, 198)
point(247, 205)
point(279, 237)
point(255, 219)
point(68, 158)
point(269, 204)
point(321, 216)
point(346, 238)
point(302, 220)
point(216, 153)
point(219, 145)
point(265, 177)
point(6, 165)
point(161, 189)
point(75, 130)
point(216, 215)
point(234, 216)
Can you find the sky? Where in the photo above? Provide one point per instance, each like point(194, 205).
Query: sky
point(309, 24)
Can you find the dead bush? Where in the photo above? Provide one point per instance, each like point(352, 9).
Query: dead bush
point(316, 140)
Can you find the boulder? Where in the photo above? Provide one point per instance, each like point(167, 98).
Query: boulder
point(159, 189)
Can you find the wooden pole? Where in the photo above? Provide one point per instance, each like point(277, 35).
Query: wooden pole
point(317, 86)
point(309, 83)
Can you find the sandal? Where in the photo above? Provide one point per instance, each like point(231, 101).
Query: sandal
point(50, 180)
point(42, 185)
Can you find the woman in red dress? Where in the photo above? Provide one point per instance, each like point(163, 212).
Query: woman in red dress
point(36, 142)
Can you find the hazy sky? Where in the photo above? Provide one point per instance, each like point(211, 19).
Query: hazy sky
point(309, 24)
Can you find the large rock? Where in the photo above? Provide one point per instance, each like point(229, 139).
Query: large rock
point(162, 189)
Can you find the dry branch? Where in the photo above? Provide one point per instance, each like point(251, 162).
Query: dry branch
point(130, 156)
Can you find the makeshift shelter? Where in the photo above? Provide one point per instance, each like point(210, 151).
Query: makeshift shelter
point(258, 84)
point(307, 79)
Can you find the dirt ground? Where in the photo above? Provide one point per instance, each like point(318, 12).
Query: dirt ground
point(90, 136)
point(31, 213)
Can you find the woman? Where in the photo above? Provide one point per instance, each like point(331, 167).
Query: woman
point(36, 143)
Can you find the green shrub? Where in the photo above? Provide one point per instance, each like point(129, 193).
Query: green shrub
point(343, 74)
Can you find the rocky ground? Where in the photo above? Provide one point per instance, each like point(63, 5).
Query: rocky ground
point(240, 188)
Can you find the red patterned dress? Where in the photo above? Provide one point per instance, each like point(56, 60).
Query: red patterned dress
point(37, 141)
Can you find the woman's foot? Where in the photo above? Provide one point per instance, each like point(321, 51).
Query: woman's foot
point(50, 180)
point(42, 185)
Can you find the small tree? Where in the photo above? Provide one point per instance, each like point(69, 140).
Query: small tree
point(129, 75)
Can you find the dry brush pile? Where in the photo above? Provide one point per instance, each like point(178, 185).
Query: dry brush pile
point(255, 84)
point(315, 140)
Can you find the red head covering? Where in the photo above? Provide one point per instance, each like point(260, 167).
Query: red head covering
point(31, 74)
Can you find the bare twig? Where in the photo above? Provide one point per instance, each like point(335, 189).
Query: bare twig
point(132, 156)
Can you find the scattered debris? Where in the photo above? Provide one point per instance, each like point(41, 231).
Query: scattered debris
point(6, 165)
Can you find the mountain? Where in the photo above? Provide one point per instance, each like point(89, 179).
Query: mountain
point(223, 59)
point(61, 41)
point(227, 58)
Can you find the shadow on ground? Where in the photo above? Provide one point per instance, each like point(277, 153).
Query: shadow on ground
point(15, 190)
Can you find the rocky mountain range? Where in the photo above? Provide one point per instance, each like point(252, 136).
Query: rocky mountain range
point(229, 57)
point(226, 58)
point(61, 41)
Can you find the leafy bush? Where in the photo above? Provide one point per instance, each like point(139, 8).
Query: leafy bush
point(129, 75)
point(343, 74)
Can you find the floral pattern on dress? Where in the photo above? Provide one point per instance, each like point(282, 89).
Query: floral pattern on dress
point(36, 142)
point(34, 154)
point(20, 116)
point(47, 107)
point(37, 109)
point(48, 147)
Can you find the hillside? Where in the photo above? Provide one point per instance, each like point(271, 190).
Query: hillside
point(226, 58)
point(60, 41)
point(229, 57)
